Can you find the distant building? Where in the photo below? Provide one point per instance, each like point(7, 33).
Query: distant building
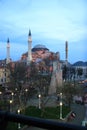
point(4, 74)
point(81, 65)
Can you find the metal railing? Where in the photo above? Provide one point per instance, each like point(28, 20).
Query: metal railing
point(6, 117)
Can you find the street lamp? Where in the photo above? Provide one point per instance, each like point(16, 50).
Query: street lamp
point(61, 105)
point(0, 95)
point(12, 95)
point(26, 90)
point(39, 101)
point(10, 102)
point(19, 123)
point(0, 92)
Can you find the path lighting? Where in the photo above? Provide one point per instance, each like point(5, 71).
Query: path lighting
point(0, 95)
point(26, 90)
point(10, 102)
point(12, 95)
point(19, 123)
point(39, 101)
point(61, 105)
point(16, 89)
point(0, 92)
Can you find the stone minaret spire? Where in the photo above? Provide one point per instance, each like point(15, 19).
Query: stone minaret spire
point(66, 50)
point(29, 58)
point(8, 52)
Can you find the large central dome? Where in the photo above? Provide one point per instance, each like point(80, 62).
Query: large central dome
point(39, 47)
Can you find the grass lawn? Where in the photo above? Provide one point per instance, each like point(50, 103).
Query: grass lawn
point(12, 126)
point(47, 112)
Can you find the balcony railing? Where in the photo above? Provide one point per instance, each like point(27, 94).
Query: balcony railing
point(6, 117)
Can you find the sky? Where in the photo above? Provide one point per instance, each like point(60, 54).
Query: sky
point(52, 22)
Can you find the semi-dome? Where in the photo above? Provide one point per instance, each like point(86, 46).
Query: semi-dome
point(39, 47)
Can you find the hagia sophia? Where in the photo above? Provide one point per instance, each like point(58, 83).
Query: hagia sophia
point(37, 54)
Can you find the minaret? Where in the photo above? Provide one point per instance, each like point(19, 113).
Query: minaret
point(66, 50)
point(29, 58)
point(8, 52)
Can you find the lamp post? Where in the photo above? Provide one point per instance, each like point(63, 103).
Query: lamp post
point(0, 95)
point(61, 105)
point(19, 123)
point(10, 102)
point(0, 92)
point(12, 95)
point(26, 91)
point(39, 101)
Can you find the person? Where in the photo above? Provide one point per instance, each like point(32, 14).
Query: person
point(71, 116)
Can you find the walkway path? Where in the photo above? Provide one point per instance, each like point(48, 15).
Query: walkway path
point(80, 113)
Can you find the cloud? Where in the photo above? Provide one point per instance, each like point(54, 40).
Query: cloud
point(53, 16)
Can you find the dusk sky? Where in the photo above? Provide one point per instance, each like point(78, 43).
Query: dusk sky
point(51, 22)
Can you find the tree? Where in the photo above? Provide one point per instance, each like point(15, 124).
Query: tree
point(65, 70)
point(79, 72)
point(68, 91)
point(17, 74)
